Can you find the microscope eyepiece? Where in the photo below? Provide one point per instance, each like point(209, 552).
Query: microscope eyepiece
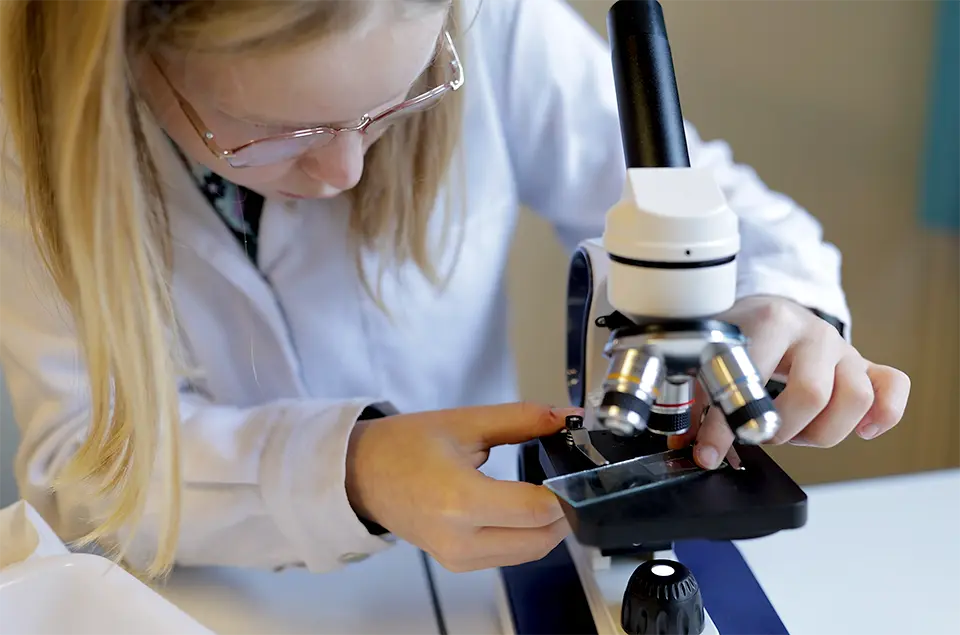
point(648, 101)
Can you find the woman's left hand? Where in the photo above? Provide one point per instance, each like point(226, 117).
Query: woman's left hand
point(831, 389)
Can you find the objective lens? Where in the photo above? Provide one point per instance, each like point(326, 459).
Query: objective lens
point(734, 385)
point(629, 390)
point(671, 413)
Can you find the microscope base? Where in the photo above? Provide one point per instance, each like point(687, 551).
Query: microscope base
point(575, 590)
point(595, 610)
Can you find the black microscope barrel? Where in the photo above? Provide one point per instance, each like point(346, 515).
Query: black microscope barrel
point(648, 102)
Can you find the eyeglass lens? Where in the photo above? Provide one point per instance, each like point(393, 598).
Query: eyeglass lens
point(278, 150)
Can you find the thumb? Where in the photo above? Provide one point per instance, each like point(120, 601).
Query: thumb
point(488, 426)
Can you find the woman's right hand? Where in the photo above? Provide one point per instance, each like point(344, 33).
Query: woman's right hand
point(417, 476)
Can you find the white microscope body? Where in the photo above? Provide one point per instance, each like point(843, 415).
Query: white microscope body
point(668, 250)
point(672, 241)
point(642, 327)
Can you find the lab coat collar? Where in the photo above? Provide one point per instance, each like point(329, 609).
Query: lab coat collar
point(195, 226)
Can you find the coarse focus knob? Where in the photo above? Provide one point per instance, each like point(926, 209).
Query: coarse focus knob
point(662, 598)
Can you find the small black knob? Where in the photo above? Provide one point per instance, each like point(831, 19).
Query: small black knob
point(662, 598)
point(574, 422)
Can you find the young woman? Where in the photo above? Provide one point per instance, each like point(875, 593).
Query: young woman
point(235, 233)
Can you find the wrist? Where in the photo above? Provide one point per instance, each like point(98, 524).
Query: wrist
point(357, 467)
point(354, 470)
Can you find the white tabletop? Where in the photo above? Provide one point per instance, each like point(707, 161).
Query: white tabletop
point(385, 594)
point(876, 557)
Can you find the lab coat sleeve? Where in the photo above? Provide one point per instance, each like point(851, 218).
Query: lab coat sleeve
point(263, 487)
point(559, 111)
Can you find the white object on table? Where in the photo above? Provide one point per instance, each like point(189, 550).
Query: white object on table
point(24, 535)
point(46, 590)
point(84, 594)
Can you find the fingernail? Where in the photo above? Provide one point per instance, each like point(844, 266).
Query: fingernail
point(707, 456)
point(869, 431)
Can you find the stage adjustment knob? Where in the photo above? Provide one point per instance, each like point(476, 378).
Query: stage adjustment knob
point(662, 598)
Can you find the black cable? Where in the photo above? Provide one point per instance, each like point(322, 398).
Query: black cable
point(434, 596)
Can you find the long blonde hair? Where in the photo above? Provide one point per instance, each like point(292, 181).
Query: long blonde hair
point(97, 211)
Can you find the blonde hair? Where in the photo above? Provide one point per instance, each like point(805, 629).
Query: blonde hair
point(98, 216)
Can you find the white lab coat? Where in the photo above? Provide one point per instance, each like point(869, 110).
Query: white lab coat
point(291, 356)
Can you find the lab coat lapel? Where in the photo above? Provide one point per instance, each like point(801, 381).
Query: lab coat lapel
point(194, 225)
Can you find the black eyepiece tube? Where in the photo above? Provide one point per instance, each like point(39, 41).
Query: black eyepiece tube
point(651, 122)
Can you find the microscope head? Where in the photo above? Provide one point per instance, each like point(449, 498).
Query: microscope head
point(633, 371)
point(672, 242)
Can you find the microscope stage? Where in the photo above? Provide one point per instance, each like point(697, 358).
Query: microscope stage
point(655, 499)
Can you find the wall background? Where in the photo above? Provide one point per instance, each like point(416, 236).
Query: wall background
point(827, 101)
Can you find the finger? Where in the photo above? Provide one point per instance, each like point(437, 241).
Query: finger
point(492, 547)
point(525, 545)
point(852, 398)
point(479, 457)
point(891, 389)
point(812, 367)
point(766, 350)
point(713, 440)
point(489, 502)
point(768, 346)
point(489, 426)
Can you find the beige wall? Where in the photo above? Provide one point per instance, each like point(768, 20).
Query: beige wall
point(826, 101)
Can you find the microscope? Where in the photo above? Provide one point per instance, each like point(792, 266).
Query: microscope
point(649, 525)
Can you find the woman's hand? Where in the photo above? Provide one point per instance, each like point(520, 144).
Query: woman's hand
point(831, 390)
point(416, 475)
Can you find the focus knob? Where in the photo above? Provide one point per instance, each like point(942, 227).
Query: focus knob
point(662, 598)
